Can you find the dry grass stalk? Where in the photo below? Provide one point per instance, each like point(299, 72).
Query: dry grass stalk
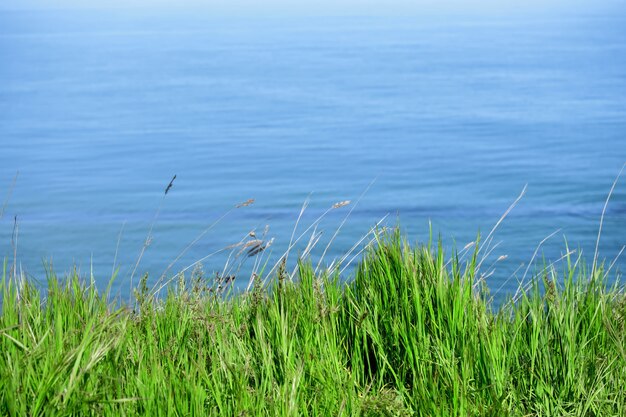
point(338, 205)
point(258, 246)
point(506, 213)
point(341, 204)
point(148, 240)
point(169, 186)
point(200, 236)
point(245, 203)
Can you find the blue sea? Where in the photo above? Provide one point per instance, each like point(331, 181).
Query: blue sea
point(431, 122)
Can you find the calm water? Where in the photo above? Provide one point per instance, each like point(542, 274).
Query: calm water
point(450, 117)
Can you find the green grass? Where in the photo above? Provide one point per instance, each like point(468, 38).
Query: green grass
point(408, 334)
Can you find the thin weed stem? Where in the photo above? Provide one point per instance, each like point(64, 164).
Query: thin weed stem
point(345, 219)
point(117, 246)
point(606, 203)
point(506, 213)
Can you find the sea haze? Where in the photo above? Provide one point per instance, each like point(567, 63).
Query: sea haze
point(446, 118)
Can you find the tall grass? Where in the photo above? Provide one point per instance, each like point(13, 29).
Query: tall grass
point(411, 333)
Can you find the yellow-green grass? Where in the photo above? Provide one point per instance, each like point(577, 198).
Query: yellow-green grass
point(409, 333)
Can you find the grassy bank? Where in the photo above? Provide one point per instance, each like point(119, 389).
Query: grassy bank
point(410, 334)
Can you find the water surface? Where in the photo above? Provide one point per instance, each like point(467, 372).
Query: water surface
point(449, 118)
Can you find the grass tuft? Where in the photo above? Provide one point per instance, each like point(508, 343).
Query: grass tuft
point(411, 333)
